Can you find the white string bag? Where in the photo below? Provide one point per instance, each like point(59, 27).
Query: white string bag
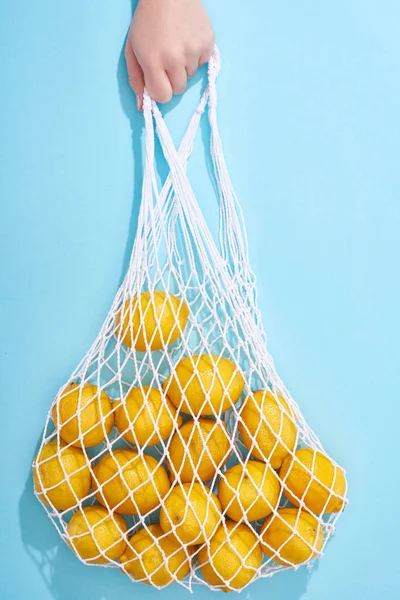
point(177, 398)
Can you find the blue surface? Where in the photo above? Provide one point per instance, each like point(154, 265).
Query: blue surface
point(309, 114)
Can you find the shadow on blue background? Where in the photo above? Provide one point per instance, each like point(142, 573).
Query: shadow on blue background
point(69, 579)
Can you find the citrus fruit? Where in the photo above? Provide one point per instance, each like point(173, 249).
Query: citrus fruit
point(152, 320)
point(198, 449)
point(96, 535)
point(83, 415)
point(232, 557)
point(249, 491)
point(145, 417)
point(292, 536)
point(267, 427)
point(157, 564)
point(51, 484)
point(191, 512)
point(311, 476)
point(204, 384)
point(130, 483)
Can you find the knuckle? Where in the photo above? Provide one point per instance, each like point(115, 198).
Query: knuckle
point(149, 60)
point(174, 59)
point(208, 44)
point(192, 49)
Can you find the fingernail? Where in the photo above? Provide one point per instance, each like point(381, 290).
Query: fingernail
point(138, 102)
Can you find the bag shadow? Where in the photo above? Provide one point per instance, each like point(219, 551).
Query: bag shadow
point(67, 578)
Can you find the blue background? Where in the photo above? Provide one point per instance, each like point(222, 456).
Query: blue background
point(309, 114)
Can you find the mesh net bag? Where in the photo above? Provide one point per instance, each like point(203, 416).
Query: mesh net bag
point(174, 452)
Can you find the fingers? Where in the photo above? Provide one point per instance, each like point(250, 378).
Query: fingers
point(178, 78)
point(161, 82)
point(135, 74)
point(192, 64)
point(158, 84)
point(205, 56)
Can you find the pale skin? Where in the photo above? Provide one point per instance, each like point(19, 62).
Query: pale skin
point(168, 41)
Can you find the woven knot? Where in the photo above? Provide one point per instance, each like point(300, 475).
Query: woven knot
point(330, 528)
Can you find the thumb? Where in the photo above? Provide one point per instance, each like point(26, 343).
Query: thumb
point(135, 74)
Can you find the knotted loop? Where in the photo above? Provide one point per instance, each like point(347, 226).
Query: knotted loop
point(214, 65)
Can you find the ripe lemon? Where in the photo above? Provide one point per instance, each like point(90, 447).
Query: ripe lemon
point(292, 536)
point(83, 411)
point(306, 464)
point(198, 449)
point(130, 483)
point(204, 384)
point(191, 512)
point(232, 557)
point(146, 417)
point(51, 485)
point(264, 421)
point(96, 535)
point(155, 558)
point(152, 319)
point(251, 490)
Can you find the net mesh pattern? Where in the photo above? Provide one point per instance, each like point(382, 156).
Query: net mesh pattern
point(174, 452)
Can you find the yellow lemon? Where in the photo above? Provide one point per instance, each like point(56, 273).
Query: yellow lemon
point(204, 384)
point(292, 537)
point(267, 427)
point(152, 319)
point(52, 486)
point(191, 512)
point(155, 558)
point(198, 449)
point(312, 477)
point(96, 535)
point(129, 483)
point(251, 490)
point(232, 557)
point(83, 411)
point(145, 417)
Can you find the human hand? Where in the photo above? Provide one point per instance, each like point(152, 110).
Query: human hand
point(168, 40)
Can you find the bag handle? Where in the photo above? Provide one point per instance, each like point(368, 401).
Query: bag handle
point(157, 213)
point(183, 191)
point(232, 235)
point(201, 236)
